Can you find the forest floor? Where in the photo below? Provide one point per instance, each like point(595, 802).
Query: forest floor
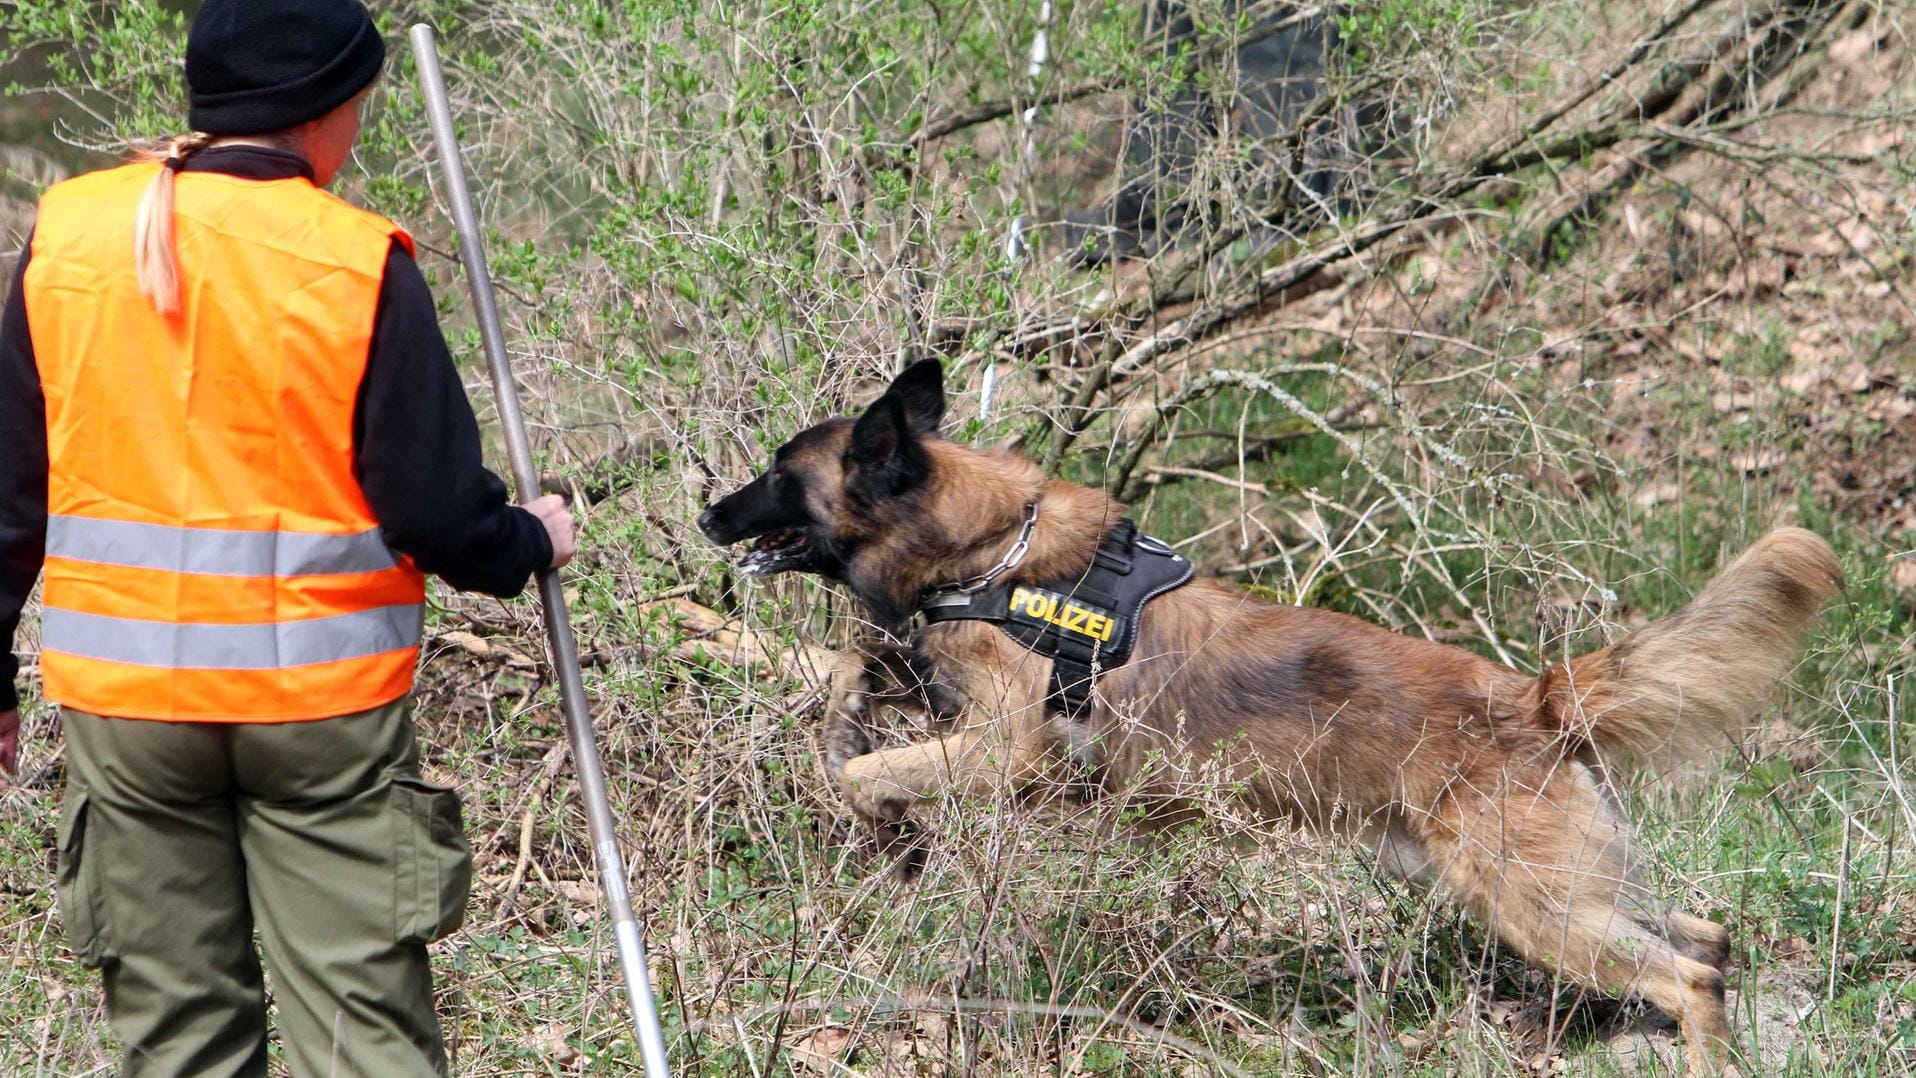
point(1725, 341)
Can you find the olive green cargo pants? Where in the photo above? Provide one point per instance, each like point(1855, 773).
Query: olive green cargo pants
point(178, 840)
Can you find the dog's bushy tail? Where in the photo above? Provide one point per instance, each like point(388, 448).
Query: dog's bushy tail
point(1679, 684)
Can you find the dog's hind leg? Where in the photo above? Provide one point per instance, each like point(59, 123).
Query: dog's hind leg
point(1547, 865)
point(1692, 936)
point(1705, 941)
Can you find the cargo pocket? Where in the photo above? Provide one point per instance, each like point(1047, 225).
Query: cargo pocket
point(433, 865)
point(76, 880)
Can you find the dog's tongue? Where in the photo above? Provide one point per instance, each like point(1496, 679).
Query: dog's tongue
point(769, 550)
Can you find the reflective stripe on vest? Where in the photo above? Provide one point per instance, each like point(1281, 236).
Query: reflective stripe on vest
point(268, 646)
point(210, 554)
point(214, 551)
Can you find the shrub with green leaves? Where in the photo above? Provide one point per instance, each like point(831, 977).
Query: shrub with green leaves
point(1602, 292)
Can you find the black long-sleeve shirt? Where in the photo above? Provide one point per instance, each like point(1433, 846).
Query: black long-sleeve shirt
point(415, 440)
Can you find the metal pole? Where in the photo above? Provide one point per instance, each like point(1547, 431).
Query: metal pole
point(565, 655)
point(1027, 130)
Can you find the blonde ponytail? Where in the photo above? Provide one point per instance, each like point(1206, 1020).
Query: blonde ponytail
point(156, 260)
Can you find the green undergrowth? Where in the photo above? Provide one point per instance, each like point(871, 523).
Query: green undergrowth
point(710, 232)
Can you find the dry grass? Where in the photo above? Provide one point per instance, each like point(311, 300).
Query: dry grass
point(1511, 403)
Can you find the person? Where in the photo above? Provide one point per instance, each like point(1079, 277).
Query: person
point(237, 443)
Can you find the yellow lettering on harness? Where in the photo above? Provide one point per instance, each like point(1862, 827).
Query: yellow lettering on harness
point(1069, 616)
point(1099, 626)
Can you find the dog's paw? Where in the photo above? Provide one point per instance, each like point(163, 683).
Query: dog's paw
point(905, 842)
point(871, 803)
point(872, 796)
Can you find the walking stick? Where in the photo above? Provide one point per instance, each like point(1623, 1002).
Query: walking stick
point(565, 654)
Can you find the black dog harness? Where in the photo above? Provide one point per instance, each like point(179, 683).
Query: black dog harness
point(1084, 624)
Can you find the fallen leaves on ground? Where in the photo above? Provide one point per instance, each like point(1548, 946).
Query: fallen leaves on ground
point(711, 635)
point(823, 1051)
point(479, 647)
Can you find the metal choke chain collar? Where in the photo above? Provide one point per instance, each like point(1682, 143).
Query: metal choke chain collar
point(973, 585)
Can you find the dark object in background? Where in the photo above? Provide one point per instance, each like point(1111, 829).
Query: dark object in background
point(1279, 74)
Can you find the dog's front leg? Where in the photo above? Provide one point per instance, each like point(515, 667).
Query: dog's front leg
point(874, 673)
point(858, 681)
point(987, 756)
point(847, 712)
point(879, 674)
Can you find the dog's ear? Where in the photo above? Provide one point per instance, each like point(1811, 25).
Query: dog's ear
point(920, 389)
point(884, 459)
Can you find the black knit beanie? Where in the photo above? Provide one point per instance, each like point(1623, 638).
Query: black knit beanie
point(257, 66)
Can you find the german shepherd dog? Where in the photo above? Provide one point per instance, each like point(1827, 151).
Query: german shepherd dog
point(1472, 778)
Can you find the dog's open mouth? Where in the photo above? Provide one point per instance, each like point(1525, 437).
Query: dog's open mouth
point(775, 552)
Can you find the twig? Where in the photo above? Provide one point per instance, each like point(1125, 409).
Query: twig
point(548, 771)
point(1209, 476)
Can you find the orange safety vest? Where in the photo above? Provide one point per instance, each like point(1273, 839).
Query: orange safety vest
point(210, 555)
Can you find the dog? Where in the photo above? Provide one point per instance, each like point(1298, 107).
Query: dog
point(1479, 781)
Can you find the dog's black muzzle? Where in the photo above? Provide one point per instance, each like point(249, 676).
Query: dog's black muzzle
point(781, 527)
point(717, 529)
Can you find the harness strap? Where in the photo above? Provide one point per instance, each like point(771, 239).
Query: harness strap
point(1085, 625)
